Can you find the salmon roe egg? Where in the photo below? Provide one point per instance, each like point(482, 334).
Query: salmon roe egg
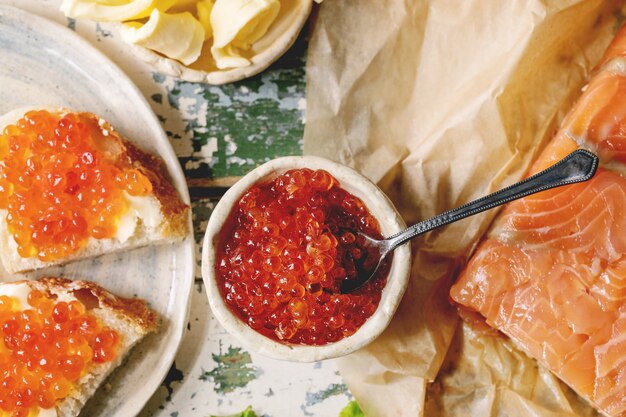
point(45, 349)
point(284, 252)
point(60, 185)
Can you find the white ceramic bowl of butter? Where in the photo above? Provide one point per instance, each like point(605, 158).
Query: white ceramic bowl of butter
point(280, 36)
point(379, 206)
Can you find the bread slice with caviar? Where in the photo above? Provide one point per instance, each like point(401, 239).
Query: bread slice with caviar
point(61, 339)
point(71, 187)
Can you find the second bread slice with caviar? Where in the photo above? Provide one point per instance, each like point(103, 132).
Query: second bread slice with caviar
point(60, 341)
point(71, 187)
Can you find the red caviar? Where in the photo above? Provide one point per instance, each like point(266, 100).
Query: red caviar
point(60, 183)
point(283, 257)
point(45, 349)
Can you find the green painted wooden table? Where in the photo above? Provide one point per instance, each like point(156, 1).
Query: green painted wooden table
point(219, 134)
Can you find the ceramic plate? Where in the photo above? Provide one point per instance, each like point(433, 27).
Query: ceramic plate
point(45, 64)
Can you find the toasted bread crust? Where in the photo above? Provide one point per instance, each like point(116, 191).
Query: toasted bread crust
point(132, 310)
point(174, 210)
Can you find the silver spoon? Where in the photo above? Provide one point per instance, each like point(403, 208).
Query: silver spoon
point(578, 166)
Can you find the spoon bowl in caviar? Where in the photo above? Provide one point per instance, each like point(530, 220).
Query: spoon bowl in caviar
point(578, 166)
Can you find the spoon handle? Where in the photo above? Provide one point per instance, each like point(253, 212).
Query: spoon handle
point(578, 166)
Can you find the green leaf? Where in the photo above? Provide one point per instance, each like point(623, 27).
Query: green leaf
point(352, 410)
point(245, 413)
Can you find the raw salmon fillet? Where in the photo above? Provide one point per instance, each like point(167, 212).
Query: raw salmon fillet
point(551, 273)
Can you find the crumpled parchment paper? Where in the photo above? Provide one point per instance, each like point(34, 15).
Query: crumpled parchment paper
point(441, 102)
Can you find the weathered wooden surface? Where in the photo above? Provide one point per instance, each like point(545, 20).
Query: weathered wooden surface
point(220, 133)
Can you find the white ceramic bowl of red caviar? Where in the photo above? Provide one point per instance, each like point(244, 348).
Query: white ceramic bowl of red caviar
point(378, 205)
